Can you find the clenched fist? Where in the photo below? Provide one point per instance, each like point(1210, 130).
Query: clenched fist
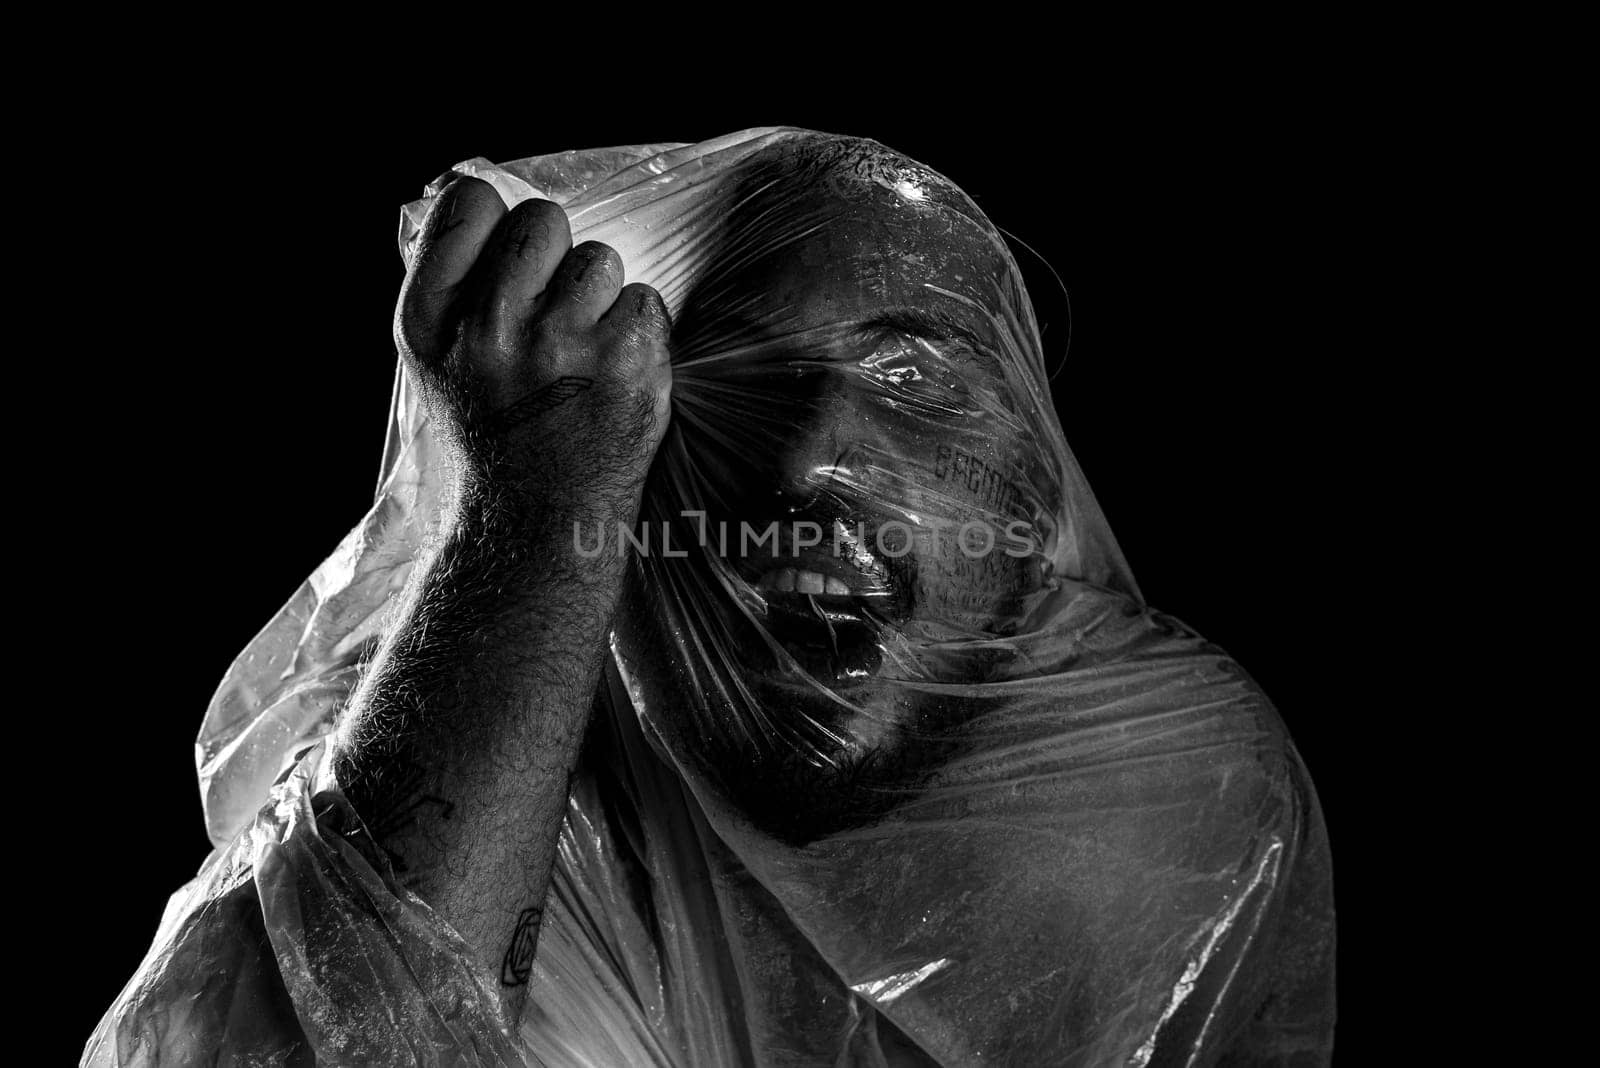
point(547, 379)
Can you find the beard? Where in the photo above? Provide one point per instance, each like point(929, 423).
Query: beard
point(794, 708)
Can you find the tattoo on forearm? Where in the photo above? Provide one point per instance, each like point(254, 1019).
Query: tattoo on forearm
point(397, 811)
point(405, 806)
point(542, 400)
point(518, 963)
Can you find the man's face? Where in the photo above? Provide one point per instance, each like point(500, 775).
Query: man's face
point(859, 386)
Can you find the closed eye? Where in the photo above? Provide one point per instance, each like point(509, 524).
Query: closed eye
point(927, 325)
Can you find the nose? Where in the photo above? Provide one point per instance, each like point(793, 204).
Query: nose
point(822, 425)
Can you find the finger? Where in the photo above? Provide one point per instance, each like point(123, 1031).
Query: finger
point(454, 232)
point(638, 326)
point(639, 322)
point(584, 286)
point(517, 266)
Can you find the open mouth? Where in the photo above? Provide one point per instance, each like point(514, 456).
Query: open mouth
point(827, 605)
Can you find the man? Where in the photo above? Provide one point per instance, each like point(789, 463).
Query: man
point(761, 683)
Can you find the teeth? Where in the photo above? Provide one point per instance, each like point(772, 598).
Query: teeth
point(799, 580)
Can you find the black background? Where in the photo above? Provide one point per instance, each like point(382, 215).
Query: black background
point(1225, 392)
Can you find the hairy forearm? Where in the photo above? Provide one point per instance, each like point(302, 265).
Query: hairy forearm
point(459, 745)
point(547, 383)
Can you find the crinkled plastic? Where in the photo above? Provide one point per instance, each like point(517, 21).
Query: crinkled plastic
point(985, 808)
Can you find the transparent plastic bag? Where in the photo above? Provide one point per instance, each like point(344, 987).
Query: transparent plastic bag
point(935, 788)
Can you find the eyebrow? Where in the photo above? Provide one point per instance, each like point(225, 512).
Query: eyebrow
point(934, 324)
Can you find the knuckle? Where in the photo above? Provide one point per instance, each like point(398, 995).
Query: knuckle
point(587, 272)
point(463, 194)
point(638, 324)
point(645, 309)
point(476, 190)
point(468, 200)
point(599, 258)
point(547, 213)
point(539, 226)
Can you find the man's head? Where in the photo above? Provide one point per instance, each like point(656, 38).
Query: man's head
point(857, 364)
